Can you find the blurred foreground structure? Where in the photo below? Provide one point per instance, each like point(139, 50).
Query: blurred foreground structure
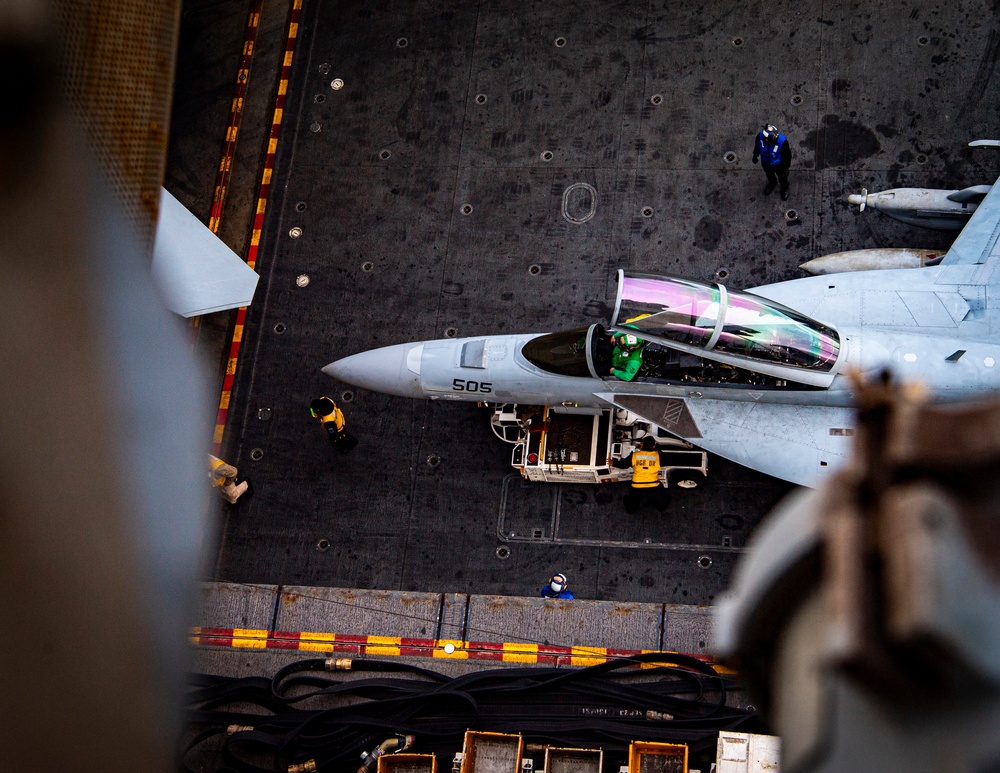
point(866, 619)
point(102, 453)
point(886, 605)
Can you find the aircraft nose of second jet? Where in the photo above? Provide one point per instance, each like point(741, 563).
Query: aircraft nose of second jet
point(394, 370)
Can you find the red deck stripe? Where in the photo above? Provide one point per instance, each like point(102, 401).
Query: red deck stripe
point(262, 196)
point(235, 115)
point(232, 129)
point(493, 656)
point(353, 644)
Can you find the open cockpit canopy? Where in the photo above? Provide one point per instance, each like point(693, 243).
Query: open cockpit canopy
point(717, 321)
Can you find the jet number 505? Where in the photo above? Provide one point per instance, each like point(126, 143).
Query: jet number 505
point(461, 385)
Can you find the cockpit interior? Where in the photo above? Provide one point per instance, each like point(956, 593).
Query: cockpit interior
point(566, 353)
point(664, 312)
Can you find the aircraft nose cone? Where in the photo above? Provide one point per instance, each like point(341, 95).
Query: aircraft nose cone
point(393, 370)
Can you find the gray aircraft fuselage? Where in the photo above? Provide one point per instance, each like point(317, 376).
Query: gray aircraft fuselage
point(905, 320)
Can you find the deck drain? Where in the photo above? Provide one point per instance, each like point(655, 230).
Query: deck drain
point(796, 99)
point(560, 42)
point(647, 211)
point(347, 396)
point(402, 43)
point(722, 273)
point(727, 541)
point(302, 280)
point(546, 155)
point(503, 552)
point(322, 545)
point(481, 99)
point(791, 215)
point(534, 269)
point(729, 157)
point(656, 99)
point(367, 266)
point(385, 154)
point(300, 207)
point(536, 533)
point(324, 69)
point(450, 332)
point(737, 42)
point(263, 414)
point(295, 232)
point(921, 158)
point(433, 460)
point(315, 128)
point(336, 84)
point(257, 454)
point(319, 98)
point(466, 209)
point(923, 40)
point(704, 562)
point(279, 328)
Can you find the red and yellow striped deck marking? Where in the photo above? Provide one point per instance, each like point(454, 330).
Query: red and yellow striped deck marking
point(232, 130)
point(235, 116)
point(258, 222)
point(392, 646)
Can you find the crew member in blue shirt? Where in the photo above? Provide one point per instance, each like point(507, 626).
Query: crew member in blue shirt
point(775, 155)
point(557, 588)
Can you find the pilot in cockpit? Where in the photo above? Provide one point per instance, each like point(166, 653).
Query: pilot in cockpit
point(626, 359)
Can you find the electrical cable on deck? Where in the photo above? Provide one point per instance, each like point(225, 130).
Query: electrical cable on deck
point(675, 699)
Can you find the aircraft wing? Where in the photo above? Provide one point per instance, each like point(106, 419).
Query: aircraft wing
point(195, 270)
point(797, 443)
point(973, 258)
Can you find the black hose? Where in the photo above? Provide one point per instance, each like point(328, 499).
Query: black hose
point(607, 705)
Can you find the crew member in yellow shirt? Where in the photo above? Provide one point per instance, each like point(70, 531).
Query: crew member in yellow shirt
point(332, 419)
point(223, 477)
point(646, 486)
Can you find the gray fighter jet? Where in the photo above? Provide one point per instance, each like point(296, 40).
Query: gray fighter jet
point(759, 377)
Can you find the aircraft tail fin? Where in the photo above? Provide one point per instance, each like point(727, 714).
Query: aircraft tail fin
point(194, 269)
point(975, 255)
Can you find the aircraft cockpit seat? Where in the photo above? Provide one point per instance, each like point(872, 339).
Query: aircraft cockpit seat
point(601, 351)
point(661, 363)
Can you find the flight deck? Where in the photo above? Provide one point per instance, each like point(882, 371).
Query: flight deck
point(469, 169)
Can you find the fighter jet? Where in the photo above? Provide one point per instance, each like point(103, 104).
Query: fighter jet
point(760, 377)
